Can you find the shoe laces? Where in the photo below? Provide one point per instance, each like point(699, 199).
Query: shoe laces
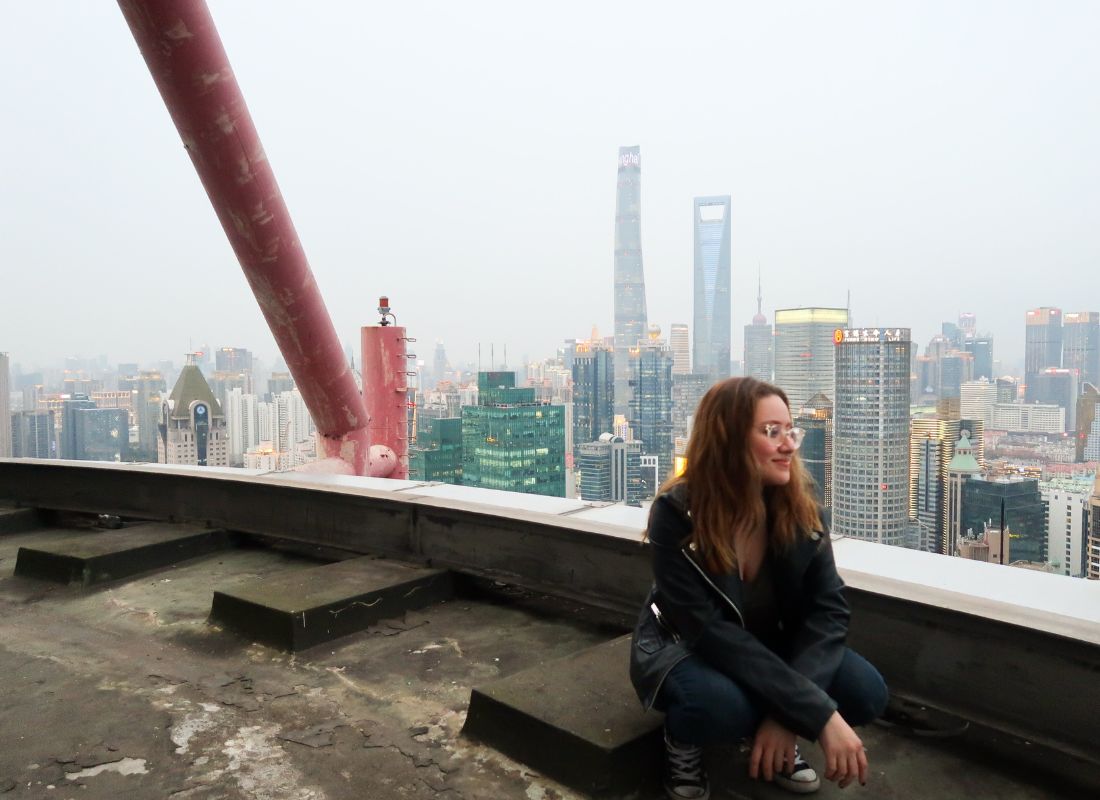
point(685, 762)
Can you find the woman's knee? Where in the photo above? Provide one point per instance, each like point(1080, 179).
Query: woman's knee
point(704, 706)
point(859, 690)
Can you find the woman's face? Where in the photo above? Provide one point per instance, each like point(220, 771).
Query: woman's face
point(773, 456)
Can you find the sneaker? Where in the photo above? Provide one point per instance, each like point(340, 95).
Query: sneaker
point(685, 777)
point(799, 778)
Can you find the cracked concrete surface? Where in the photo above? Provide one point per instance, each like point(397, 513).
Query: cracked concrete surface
point(128, 691)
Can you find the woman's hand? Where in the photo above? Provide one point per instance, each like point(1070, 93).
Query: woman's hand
point(845, 758)
point(772, 746)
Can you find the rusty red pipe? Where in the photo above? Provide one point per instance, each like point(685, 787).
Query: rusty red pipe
point(184, 53)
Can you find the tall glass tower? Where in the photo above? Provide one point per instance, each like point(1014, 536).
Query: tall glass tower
point(1081, 345)
point(593, 391)
point(804, 351)
point(1042, 344)
point(630, 311)
point(651, 402)
point(871, 434)
point(711, 326)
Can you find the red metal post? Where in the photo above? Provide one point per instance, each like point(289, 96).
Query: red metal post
point(385, 388)
point(184, 53)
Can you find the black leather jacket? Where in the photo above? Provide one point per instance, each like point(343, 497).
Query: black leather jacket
point(692, 611)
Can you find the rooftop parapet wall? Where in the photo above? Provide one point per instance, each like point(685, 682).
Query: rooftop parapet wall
point(994, 644)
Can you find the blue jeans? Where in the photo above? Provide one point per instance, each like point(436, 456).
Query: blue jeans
point(703, 706)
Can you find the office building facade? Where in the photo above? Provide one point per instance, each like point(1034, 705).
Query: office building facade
point(611, 470)
point(651, 403)
point(711, 323)
point(437, 455)
point(33, 434)
point(687, 391)
point(1081, 345)
point(962, 466)
point(1088, 425)
point(984, 497)
point(101, 434)
point(5, 406)
point(931, 449)
point(631, 321)
point(1067, 515)
point(510, 442)
point(1042, 344)
point(1094, 531)
point(1058, 387)
point(679, 340)
point(805, 352)
point(593, 392)
point(192, 427)
point(816, 452)
point(871, 434)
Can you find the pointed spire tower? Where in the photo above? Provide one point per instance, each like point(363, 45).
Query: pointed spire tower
point(759, 355)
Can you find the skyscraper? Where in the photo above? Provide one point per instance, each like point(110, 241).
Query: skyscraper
point(5, 408)
point(437, 455)
point(192, 428)
point(805, 353)
point(593, 392)
point(816, 418)
point(983, 498)
point(511, 442)
point(651, 402)
point(962, 466)
point(687, 391)
point(711, 324)
point(758, 343)
point(1088, 425)
point(1081, 345)
point(69, 408)
point(611, 470)
point(1094, 530)
point(1056, 387)
point(981, 348)
point(680, 343)
point(871, 435)
point(232, 359)
point(630, 309)
point(33, 434)
point(147, 390)
point(931, 448)
point(101, 434)
point(1042, 343)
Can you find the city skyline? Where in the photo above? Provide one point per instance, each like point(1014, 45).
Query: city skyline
point(976, 164)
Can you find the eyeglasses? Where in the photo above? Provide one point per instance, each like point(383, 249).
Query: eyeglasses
point(776, 432)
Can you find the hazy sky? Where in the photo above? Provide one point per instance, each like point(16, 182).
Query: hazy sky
point(931, 157)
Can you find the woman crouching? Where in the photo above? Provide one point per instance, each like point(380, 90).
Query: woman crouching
point(743, 635)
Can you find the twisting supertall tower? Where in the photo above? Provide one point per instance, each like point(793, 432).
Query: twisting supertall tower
point(630, 312)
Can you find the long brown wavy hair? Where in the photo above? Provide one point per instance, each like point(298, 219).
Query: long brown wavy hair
point(724, 490)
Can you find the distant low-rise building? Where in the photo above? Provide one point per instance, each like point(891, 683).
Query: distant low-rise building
point(611, 470)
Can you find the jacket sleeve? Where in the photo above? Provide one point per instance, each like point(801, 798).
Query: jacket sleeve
point(695, 611)
point(818, 643)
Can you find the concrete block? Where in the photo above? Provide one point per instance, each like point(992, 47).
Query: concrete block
point(91, 557)
point(308, 607)
point(575, 719)
point(18, 520)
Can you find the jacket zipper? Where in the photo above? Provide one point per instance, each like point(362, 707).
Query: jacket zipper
point(657, 616)
point(723, 595)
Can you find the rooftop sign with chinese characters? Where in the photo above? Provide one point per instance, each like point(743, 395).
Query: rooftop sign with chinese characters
point(870, 335)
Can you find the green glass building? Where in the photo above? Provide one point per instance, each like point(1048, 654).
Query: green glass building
point(512, 442)
point(438, 452)
point(1025, 514)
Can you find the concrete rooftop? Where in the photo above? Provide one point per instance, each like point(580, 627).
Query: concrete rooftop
point(128, 690)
